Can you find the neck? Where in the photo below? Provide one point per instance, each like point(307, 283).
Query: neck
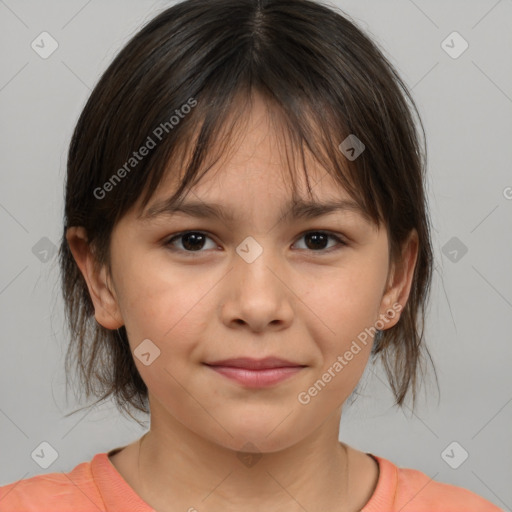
point(177, 466)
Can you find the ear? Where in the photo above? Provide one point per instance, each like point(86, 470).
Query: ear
point(399, 282)
point(106, 308)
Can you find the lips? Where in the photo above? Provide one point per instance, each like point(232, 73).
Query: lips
point(256, 373)
point(255, 364)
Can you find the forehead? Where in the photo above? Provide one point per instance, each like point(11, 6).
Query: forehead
point(237, 189)
point(236, 195)
point(258, 167)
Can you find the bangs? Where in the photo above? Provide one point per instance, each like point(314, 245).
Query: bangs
point(208, 137)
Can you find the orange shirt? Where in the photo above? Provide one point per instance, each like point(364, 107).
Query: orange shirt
point(96, 486)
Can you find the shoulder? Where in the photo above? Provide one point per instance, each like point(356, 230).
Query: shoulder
point(414, 491)
point(58, 492)
point(416, 487)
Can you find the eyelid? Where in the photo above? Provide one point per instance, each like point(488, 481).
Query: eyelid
point(167, 241)
point(341, 240)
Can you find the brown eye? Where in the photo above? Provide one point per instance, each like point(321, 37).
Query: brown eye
point(318, 240)
point(191, 241)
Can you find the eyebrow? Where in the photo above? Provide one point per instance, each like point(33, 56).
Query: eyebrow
point(299, 209)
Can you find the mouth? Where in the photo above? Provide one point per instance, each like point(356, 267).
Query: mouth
point(256, 373)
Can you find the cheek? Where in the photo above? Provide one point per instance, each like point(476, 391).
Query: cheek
point(348, 307)
point(163, 305)
point(170, 310)
point(348, 303)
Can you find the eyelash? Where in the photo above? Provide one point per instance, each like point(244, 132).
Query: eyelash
point(340, 241)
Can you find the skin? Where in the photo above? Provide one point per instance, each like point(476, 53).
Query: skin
point(293, 302)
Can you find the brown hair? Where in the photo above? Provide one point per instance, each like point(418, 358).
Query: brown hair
point(318, 72)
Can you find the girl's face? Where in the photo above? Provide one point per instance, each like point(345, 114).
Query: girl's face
point(253, 283)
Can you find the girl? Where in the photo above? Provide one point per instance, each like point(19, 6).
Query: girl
point(244, 347)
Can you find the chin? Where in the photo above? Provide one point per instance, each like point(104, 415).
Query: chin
point(257, 433)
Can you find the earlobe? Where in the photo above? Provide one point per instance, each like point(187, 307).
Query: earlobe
point(106, 308)
point(390, 309)
point(399, 287)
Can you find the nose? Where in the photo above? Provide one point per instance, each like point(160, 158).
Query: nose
point(257, 295)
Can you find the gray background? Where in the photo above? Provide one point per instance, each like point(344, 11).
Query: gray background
point(466, 105)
